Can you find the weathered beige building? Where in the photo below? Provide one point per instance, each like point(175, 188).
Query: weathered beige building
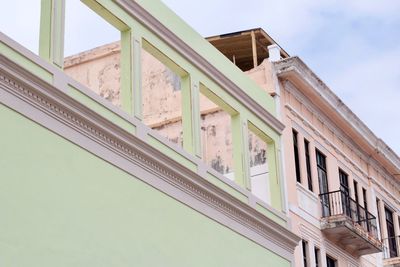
point(341, 184)
point(114, 158)
point(162, 109)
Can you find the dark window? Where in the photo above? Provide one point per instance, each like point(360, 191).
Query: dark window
point(379, 215)
point(364, 192)
point(304, 247)
point(355, 184)
point(317, 257)
point(308, 164)
point(330, 262)
point(323, 182)
point(344, 182)
point(345, 192)
point(365, 198)
point(391, 234)
point(296, 156)
point(322, 174)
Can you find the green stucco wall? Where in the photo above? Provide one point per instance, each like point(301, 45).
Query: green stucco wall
point(62, 206)
point(136, 35)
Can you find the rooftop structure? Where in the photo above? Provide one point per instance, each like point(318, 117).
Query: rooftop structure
point(345, 226)
point(342, 180)
point(246, 49)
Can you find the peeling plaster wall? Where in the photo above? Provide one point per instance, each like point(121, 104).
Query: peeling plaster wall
point(262, 75)
point(216, 135)
point(161, 89)
point(258, 150)
point(99, 69)
point(172, 131)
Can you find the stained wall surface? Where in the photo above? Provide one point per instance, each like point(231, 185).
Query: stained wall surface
point(162, 103)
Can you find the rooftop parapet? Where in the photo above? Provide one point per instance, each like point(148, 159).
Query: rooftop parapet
point(149, 25)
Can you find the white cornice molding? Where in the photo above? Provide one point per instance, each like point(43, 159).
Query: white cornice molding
point(144, 17)
point(55, 110)
point(339, 253)
point(93, 54)
point(291, 88)
point(294, 69)
point(318, 133)
point(382, 171)
point(296, 114)
point(312, 232)
point(308, 231)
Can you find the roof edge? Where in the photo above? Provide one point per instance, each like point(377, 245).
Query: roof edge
point(296, 66)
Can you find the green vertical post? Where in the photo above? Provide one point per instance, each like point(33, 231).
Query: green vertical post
point(131, 72)
point(137, 74)
point(191, 115)
point(274, 181)
point(126, 71)
point(241, 151)
point(51, 41)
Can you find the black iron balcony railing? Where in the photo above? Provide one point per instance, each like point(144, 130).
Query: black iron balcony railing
point(390, 247)
point(340, 203)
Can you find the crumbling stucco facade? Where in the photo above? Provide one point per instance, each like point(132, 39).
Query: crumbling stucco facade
point(99, 68)
point(94, 178)
point(301, 109)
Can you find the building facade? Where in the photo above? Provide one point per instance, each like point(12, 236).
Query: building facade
point(342, 180)
point(167, 150)
point(88, 177)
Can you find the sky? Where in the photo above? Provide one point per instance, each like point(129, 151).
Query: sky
point(352, 45)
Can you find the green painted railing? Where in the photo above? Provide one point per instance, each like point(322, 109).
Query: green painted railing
point(137, 35)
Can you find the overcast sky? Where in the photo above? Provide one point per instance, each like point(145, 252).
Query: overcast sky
point(353, 45)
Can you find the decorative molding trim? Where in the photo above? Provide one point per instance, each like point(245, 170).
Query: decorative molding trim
point(309, 125)
point(311, 195)
point(295, 66)
point(300, 129)
point(55, 110)
point(304, 215)
point(291, 88)
point(144, 17)
point(339, 152)
point(339, 253)
point(313, 233)
point(309, 232)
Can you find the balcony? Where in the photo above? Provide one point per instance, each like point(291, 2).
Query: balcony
point(348, 224)
point(391, 253)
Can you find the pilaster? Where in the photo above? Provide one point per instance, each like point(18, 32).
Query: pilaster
point(52, 25)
